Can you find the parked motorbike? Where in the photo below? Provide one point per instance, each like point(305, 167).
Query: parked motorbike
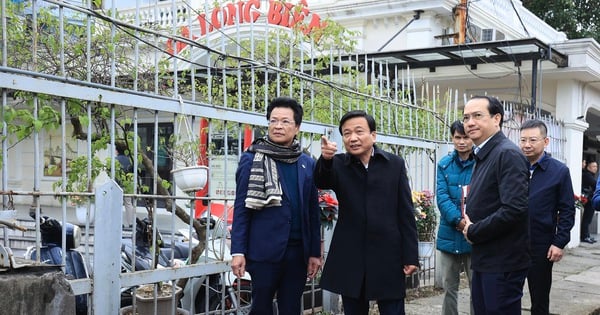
point(204, 292)
point(142, 257)
point(51, 253)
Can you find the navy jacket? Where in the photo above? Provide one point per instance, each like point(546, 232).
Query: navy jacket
point(262, 235)
point(497, 206)
point(551, 205)
point(452, 175)
point(596, 197)
point(376, 232)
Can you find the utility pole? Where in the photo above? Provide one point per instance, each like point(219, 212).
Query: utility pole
point(460, 24)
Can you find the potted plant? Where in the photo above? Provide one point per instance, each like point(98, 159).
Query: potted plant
point(425, 215)
point(79, 182)
point(426, 220)
point(190, 172)
point(146, 294)
point(162, 295)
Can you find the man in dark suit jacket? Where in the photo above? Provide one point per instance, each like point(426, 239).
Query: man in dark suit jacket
point(276, 227)
point(374, 243)
point(497, 222)
point(550, 198)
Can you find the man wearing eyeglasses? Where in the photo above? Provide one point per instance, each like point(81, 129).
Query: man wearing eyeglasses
point(276, 233)
point(496, 216)
point(550, 197)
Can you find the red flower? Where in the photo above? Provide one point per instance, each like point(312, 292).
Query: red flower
point(329, 208)
point(580, 201)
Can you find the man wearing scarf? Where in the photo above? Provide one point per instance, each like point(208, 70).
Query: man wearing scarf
point(276, 228)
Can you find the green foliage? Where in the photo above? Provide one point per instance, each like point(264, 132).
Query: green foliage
point(78, 179)
point(578, 19)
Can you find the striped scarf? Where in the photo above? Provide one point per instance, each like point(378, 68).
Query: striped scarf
point(264, 189)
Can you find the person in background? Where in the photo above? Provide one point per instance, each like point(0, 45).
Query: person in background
point(276, 232)
point(127, 168)
point(588, 185)
point(374, 243)
point(550, 198)
point(497, 222)
point(453, 173)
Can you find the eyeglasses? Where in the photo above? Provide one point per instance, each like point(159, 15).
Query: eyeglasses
point(475, 116)
point(532, 141)
point(284, 122)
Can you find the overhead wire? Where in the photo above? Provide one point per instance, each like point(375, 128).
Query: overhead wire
point(131, 29)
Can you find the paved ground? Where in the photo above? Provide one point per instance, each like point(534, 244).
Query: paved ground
point(575, 287)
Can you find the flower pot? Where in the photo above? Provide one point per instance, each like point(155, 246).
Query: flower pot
point(144, 297)
point(128, 310)
point(81, 212)
point(190, 178)
point(425, 249)
point(8, 215)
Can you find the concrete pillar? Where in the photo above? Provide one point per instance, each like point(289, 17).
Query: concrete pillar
point(569, 108)
point(574, 131)
point(40, 290)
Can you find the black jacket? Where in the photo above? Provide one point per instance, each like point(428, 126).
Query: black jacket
point(498, 207)
point(376, 234)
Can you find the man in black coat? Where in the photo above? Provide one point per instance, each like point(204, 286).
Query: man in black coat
point(496, 212)
point(374, 244)
point(588, 183)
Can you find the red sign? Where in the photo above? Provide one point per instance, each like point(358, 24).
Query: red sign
point(279, 13)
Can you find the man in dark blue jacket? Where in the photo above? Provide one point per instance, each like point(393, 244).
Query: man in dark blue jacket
point(497, 222)
point(276, 232)
point(550, 198)
point(453, 174)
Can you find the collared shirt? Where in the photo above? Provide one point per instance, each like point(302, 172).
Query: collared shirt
point(479, 147)
point(372, 155)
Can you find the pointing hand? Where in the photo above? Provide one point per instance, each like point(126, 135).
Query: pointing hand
point(328, 148)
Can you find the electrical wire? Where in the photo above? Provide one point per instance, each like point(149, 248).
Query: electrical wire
point(131, 29)
point(519, 16)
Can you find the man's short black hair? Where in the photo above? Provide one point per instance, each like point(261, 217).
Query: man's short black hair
point(358, 113)
point(494, 106)
point(535, 123)
point(288, 102)
point(457, 126)
point(121, 147)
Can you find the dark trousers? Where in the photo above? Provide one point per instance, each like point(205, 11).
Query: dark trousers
point(497, 293)
point(286, 278)
point(539, 281)
point(586, 220)
point(360, 305)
